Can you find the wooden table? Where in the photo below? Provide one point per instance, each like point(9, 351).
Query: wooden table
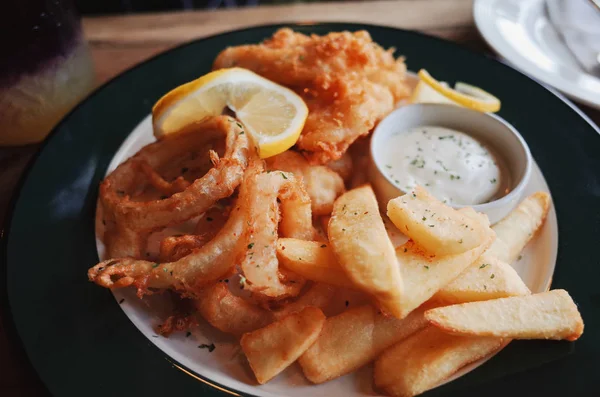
point(120, 42)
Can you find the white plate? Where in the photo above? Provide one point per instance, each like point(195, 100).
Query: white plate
point(227, 366)
point(520, 32)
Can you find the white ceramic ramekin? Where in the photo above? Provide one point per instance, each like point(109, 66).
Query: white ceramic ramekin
point(491, 130)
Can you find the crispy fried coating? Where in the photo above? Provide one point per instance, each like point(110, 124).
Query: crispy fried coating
point(348, 81)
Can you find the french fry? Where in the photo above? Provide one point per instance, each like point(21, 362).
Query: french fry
point(318, 295)
point(312, 260)
point(353, 339)
point(272, 349)
point(424, 275)
point(230, 313)
point(548, 315)
point(479, 216)
point(426, 358)
point(363, 249)
point(514, 232)
point(438, 228)
point(487, 278)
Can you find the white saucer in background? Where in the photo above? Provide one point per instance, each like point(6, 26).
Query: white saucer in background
point(521, 32)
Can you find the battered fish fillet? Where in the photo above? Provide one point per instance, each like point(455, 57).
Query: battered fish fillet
point(348, 82)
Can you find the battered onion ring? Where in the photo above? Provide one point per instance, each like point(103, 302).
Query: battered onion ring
point(260, 264)
point(217, 183)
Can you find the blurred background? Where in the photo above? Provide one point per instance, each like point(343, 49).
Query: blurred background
point(97, 7)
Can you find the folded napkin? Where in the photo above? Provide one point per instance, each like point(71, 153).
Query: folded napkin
point(578, 23)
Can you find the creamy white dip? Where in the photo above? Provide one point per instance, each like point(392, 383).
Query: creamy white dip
point(451, 165)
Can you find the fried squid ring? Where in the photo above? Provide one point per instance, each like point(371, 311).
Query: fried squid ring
point(176, 247)
point(322, 184)
point(235, 315)
point(204, 265)
point(160, 184)
point(219, 182)
point(229, 313)
point(260, 264)
point(190, 273)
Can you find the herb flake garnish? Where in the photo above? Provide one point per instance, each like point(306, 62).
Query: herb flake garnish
point(210, 347)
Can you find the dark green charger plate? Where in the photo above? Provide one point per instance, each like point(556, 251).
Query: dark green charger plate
point(82, 344)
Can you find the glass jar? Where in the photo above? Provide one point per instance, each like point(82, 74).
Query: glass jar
point(45, 67)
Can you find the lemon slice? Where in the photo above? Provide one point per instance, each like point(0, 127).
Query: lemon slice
point(272, 114)
point(429, 90)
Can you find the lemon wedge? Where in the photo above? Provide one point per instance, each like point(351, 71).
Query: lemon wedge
point(429, 90)
point(273, 115)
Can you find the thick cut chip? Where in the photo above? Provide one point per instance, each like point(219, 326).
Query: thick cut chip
point(353, 339)
point(487, 278)
point(425, 359)
point(438, 228)
point(424, 275)
point(318, 295)
point(313, 260)
point(514, 232)
point(363, 249)
point(272, 349)
point(230, 313)
point(548, 315)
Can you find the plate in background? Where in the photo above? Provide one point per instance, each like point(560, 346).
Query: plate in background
point(520, 32)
